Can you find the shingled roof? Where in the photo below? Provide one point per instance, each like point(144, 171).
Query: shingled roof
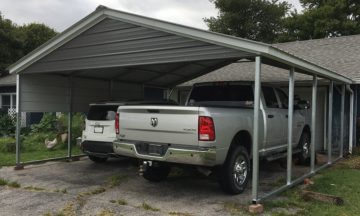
point(341, 55)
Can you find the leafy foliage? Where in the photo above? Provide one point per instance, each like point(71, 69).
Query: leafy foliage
point(259, 20)
point(47, 124)
point(50, 127)
point(35, 35)
point(275, 21)
point(16, 41)
point(7, 144)
point(35, 141)
point(7, 125)
point(322, 19)
point(78, 121)
point(10, 46)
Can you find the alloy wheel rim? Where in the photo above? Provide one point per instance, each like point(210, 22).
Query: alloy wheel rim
point(305, 149)
point(240, 170)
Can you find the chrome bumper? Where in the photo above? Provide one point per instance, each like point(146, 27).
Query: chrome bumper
point(201, 157)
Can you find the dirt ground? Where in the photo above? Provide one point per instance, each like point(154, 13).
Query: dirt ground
point(115, 188)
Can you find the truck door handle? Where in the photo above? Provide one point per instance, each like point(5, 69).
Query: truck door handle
point(270, 116)
point(286, 116)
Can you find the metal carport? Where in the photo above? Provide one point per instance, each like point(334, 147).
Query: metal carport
point(112, 55)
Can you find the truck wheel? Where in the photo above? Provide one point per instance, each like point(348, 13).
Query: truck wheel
point(156, 173)
point(98, 159)
point(304, 145)
point(235, 173)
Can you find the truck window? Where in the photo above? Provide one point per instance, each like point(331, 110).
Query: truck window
point(270, 97)
point(283, 98)
point(230, 93)
point(102, 112)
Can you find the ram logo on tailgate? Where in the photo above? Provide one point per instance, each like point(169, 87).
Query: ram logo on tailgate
point(154, 122)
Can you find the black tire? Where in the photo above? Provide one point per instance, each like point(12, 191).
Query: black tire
point(156, 173)
point(98, 159)
point(230, 181)
point(305, 147)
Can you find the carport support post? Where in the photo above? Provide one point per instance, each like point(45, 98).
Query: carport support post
point(313, 123)
point(351, 119)
point(70, 117)
point(255, 150)
point(330, 113)
point(290, 124)
point(18, 166)
point(342, 120)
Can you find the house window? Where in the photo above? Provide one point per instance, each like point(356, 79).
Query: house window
point(8, 101)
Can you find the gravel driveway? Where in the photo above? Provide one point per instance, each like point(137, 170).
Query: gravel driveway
point(114, 188)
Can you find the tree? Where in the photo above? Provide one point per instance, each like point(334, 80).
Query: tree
point(10, 44)
point(322, 19)
point(34, 35)
point(17, 41)
point(259, 20)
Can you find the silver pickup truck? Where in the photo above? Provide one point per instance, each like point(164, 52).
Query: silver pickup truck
point(213, 131)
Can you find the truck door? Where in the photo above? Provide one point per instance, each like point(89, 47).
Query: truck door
point(273, 119)
point(298, 119)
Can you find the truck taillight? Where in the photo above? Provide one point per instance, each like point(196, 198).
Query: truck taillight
point(117, 124)
point(206, 129)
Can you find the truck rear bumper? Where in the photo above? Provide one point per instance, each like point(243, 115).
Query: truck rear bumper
point(97, 148)
point(201, 157)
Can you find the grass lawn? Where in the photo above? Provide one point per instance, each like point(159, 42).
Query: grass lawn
point(8, 159)
point(342, 180)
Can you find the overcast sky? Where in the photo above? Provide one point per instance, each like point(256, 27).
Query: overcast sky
point(60, 14)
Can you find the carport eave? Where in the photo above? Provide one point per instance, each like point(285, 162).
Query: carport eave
point(57, 41)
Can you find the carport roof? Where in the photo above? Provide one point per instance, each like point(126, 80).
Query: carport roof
point(204, 52)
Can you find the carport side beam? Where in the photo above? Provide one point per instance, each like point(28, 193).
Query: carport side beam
point(255, 150)
point(313, 123)
point(290, 124)
point(330, 115)
point(18, 165)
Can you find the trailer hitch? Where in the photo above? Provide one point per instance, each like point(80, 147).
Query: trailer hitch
point(144, 166)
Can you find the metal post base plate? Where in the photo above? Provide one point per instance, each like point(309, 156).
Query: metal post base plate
point(19, 167)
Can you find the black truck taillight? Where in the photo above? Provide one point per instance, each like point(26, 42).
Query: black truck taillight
point(206, 129)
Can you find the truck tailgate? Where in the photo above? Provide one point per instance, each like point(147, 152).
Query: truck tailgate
point(159, 124)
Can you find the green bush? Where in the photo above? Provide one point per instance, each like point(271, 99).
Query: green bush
point(36, 141)
point(50, 127)
point(47, 124)
point(7, 125)
point(78, 121)
point(7, 144)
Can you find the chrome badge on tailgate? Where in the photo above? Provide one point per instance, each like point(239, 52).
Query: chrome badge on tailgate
point(154, 121)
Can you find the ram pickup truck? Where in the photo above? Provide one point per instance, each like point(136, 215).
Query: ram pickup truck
point(213, 131)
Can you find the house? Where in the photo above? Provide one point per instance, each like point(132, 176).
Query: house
point(8, 93)
point(8, 101)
